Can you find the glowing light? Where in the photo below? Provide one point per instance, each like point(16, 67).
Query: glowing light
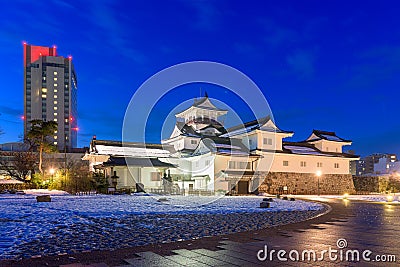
point(51, 171)
point(54, 46)
point(24, 43)
point(389, 198)
point(318, 173)
point(22, 117)
point(70, 57)
point(75, 129)
point(345, 195)
point(70, 118)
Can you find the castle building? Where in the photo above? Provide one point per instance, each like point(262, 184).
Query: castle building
point(253, 157)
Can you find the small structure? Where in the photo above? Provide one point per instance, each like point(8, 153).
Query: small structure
point(44, 198)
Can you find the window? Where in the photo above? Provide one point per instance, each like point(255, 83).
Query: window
point(55, 137)
point(319, 164)
point(55, 73)
point(232, 165)
point(66, 120)
point(336, 165)
point(155, 176)
point(243, 165)
point(44, 96)
point(55, 114)
point(327, 149)
point(285, 163)
point(44, 90)
point(55, 85)
point(55, 119)
point(55, 108)
point(55, 102)
point(267, 141)
point(55, 142)
point(55, 78)
point(208, 162)
point(302, 164)
point(193, 142)
point(55, 90)
point(55, 96)
point(337, 150)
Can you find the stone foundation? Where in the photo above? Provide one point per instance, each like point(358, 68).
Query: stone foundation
point(376, 184)
point(305, 183)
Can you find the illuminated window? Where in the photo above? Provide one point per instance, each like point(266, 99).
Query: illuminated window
point(55, 73)
point(55, 102)
point(55, 119)
point(44, 78)
point(55, 78)
point(55, 114)
point(55, 90)
point(44, 90)
point(66, 120)
point(44, 96)
point(55, 137)
point(55, 142)
point(55, 132)
point(55, 108)
point(55, 85)
point(55, 96)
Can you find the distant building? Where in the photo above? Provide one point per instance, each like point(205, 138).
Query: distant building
point(378, 163)
point(9, 153)
point(357, 167)
point(50, 93)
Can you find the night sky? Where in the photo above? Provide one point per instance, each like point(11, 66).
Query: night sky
point(328, 65)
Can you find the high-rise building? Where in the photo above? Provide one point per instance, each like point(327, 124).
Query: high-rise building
point(50, 93)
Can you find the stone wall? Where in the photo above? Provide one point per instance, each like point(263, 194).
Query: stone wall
point(376, 184)
point(305, 183)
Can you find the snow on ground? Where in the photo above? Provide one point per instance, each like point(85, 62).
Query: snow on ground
point(26, 226)
point(35, 192)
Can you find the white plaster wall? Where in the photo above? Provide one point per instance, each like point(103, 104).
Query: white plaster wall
point(328, 164)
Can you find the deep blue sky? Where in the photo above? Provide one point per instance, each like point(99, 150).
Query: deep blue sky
point(331, 65)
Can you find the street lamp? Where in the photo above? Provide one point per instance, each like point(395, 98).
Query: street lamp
point(52, 171)
point(318, 174)
point(114, 180)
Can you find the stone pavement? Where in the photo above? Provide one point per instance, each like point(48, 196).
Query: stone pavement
point(364, 226)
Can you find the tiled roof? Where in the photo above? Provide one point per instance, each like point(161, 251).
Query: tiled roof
point(325, 135)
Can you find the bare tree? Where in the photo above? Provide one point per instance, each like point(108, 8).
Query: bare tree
point(18, 165)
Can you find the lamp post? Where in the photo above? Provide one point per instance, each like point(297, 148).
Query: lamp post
point(114, 180)
point(51, 171)
point(318, 174)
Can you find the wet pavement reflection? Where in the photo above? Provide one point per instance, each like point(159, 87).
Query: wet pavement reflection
point(351, 225)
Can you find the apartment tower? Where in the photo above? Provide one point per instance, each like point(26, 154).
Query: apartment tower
point(50, 93)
